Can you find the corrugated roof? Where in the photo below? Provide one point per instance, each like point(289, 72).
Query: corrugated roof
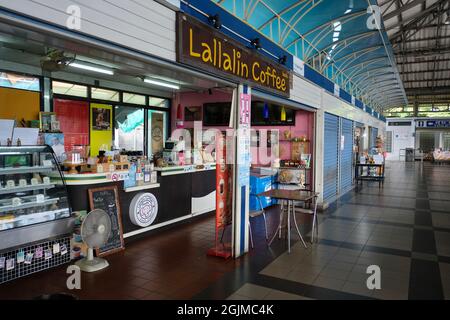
point(419, 31)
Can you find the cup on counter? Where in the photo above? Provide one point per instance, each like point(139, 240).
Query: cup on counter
point(76, 252)
point(77, 235)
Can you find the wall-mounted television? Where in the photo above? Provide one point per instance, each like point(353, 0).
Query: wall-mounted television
point(216, 114)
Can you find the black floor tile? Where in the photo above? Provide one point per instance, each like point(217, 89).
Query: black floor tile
point(425, 281)
point(423, 218)
point(423, 241)
point(422, 204)
point(301, 289)
point(422, 194)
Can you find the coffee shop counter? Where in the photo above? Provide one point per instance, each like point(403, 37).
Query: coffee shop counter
point(181, 193)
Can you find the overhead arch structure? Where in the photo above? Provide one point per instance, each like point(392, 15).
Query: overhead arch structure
point(344, 40)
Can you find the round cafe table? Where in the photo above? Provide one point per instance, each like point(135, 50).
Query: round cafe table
point(289, 196)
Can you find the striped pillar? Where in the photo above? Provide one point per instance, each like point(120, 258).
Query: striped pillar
point(241, 172)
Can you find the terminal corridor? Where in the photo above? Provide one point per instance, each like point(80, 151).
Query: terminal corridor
point(404, 228)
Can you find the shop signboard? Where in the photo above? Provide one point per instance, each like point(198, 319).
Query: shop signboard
point(203, 47)
point(442, 123)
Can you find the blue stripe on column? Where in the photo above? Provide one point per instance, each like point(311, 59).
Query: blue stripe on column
point(243, 221)
point(245, 89)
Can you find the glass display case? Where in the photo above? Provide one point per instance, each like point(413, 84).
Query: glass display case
point(27, 194)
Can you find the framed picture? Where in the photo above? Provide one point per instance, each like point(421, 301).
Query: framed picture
point(56, 141)
point(306, 160)
point(101, 119)
point(193, 113)
point(45, 121)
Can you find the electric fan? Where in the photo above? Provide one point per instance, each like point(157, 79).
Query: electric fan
point(95, 231)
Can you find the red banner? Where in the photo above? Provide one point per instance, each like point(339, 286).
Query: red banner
point(73, 117)
point(223, 200)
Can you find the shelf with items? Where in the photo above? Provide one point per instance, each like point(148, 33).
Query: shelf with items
point(33, 209)
point(7, 205)
point(23, 170)
point(27, 188)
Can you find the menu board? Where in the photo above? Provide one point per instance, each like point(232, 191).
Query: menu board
point(107, 199)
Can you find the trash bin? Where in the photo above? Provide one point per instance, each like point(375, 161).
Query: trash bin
point(409, 155)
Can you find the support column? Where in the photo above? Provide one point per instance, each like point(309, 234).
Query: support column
point(47, 94)
point(241, 113)
point(319, 154)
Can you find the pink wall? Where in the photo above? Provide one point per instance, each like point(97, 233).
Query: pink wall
point(304, 126)
point(304, 121)
point(193, 99)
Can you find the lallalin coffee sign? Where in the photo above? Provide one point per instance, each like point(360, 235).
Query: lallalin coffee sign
point(203, 47)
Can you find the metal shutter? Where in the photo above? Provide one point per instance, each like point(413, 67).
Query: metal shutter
point(346, 157)
point(373, 138)
point(330, 163)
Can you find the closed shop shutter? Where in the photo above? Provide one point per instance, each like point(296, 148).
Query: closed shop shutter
point(330, 165)
point(346, 156)
point(373, 138)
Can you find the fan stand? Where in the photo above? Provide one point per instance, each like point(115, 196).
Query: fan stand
point(91, 264)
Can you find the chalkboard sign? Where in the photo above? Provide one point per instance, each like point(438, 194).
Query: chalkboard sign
point(107, 198)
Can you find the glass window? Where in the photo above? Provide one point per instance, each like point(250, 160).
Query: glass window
point(133, 98)
point(388, 144)
point(434, 114)
point(129, 128)
point(18, 81)
point(69, 89)
point(158, 127)
point(159, 102)
point(104, 94)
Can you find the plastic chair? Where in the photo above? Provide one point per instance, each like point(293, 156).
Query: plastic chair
point(255, 214)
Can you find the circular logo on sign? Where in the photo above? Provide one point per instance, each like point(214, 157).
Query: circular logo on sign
point(115, 177)
point(157, 133)
point(143, 209)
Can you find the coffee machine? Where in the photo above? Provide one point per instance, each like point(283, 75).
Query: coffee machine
point(170, 153)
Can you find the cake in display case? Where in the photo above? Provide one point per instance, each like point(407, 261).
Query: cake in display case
point(27, 194)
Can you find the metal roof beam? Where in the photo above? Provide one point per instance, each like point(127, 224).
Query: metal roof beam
point(428, 91)
point(426, 80)
point(423, 52)
point(402, 9)
point(424, 71)
point(424, 61)
point(420, 14)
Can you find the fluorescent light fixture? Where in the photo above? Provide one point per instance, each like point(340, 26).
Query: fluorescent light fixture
point(91, 68)
point(162, 84)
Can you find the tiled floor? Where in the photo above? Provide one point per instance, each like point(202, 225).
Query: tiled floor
point(403, 228)
point(171, 264)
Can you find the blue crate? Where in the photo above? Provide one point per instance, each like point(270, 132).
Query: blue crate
point(259, 184)
point(255, 204)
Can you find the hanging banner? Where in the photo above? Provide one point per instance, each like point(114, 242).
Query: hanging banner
point(223, 200)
